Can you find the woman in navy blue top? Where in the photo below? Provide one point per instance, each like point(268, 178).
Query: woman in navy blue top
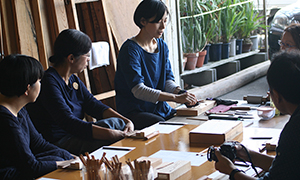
point(59, 110)
point(144, 79)
point(24, 153)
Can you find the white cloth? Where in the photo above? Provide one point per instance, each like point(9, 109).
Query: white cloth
point(99, 55)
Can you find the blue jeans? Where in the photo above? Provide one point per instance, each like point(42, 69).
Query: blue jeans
point(77, 145)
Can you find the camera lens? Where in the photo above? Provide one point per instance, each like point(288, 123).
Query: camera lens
point(211, 154)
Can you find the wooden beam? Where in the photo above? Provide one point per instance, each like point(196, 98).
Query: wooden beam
point(8, 28)
point(72, 15)
point(25, 29)
point(84, 1)
point(105, 95)
point(39, 33)
point(1, 37)
point(120, 18)
point(59, 16)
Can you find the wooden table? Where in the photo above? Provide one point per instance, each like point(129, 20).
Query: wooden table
point(177, 140)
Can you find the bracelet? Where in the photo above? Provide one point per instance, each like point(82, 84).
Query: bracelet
point(233, 172)
point(181, 91)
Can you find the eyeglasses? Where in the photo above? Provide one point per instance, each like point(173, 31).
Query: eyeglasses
point(285, 44)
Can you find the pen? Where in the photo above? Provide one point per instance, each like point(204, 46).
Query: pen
point(171, 123)
point(260, 137)
point(116, 148)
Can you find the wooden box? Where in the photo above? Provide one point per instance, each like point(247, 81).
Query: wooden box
point(197, 110)
point(171, 171)
point(215, 132)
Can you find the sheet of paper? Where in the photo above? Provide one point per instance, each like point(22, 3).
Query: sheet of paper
point(167, 128)
point(196, 159)
point(112, 151)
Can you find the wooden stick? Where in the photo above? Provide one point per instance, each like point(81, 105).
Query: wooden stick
point(87, 155)
point(82, 159)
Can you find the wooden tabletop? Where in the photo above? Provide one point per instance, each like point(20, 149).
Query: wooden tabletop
point(178, 140)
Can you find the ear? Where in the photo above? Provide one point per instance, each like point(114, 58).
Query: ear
point(276, 97)
point(70, 58)
point(27, 90)
point(143, 21)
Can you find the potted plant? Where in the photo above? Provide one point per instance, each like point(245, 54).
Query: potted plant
point(215, 53)
point(208, 26)
point(188, 29)
point(200, 38)
point(251, 23)
point(231, 19)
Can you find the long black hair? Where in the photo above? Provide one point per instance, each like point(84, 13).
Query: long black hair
point(70, 41)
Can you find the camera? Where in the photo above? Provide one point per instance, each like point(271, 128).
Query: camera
point(227, 149)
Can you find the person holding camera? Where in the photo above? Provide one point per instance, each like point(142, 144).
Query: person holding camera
point(283, 78)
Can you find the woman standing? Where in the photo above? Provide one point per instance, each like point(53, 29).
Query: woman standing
point(144, 79)
point(59, 111)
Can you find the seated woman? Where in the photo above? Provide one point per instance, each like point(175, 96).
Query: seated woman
point(290, 38)
point(24, 152)
point(59, 110)
point(283, 78)
point(144, 79)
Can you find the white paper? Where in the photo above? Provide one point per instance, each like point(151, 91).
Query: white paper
point(167, 128)
point(112, 151)
point(196, 159)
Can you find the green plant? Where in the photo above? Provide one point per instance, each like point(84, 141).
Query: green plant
point(200, 37)
point(231, 19)
point(213, 21)
point(187, 26)
point(209, 20)
point(193, 37)
point(252, 21)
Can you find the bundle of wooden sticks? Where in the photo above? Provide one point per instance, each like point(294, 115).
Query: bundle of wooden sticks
point(93, 167)
point(141, 169)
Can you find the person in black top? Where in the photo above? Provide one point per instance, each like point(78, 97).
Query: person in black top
point(24, 152)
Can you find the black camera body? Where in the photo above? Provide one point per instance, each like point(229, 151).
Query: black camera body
point(227, 149)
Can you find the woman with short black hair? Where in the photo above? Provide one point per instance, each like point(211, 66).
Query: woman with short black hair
point(24, 152)
point(144, 79)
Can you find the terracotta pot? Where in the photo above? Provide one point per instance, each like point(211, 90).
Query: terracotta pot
point(201, 58)
point(191, 62)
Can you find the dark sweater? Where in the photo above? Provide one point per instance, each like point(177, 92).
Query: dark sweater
point(60, 108)
point(24, 152)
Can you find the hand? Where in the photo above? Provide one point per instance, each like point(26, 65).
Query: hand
point(188, 98)
point(241, 152)
point(224, 165)
point(116, 135)
point(129, 127)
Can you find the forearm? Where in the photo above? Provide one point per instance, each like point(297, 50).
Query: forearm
point(242, 176)
point(102, 133)
point(164, 96)
point(261, 160)
point(112, 113)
